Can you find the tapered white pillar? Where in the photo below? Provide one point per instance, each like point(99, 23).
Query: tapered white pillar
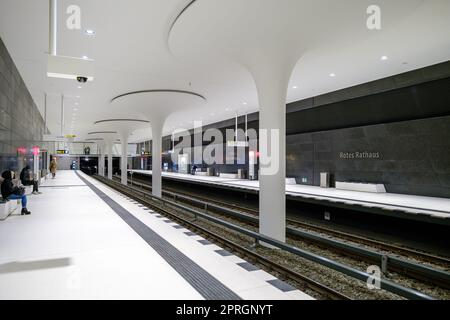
point(272, 80)
point(110, 159)
point(157, 127)
point(156, 105)
point(101, 163)
point(101, 159)
point(123, 127)
point(124, 159)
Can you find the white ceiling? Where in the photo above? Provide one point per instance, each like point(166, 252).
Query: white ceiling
point(131, 53)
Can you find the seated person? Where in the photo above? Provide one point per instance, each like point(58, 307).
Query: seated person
point(25, 178)
point(10, 192)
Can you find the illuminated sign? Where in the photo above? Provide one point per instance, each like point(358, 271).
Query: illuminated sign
point(62, 151)
point(35, 150)
point(21, 150)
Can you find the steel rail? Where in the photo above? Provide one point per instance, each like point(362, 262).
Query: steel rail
point(337, 266)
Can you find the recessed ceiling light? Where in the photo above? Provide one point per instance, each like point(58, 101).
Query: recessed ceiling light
point(384, 58)
point(79, 87)
point(85, 57)
point(245, 103)
point(332, 75)
point(227, 109)
point(89, 32)
point(295, 87)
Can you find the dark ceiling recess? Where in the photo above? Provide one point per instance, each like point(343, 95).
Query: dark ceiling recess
point(425, 100)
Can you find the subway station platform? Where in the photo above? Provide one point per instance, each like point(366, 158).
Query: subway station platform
point(410, 206)
point(84, 240)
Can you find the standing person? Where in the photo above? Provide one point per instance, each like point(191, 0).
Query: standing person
point(27, 180)
point(53, 167)
point(10, 192)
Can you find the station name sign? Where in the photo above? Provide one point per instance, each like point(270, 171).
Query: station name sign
point(360, 155)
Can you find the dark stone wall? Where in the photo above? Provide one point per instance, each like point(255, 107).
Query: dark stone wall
point(21, 123)
point(409, 157)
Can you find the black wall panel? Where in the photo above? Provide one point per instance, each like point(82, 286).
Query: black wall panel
point(413, 156)
point(424, 100)
point(21, 123)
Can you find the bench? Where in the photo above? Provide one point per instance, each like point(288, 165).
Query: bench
point(291, 181)
point(7, 208)
point(360, 186)
point(229, 175)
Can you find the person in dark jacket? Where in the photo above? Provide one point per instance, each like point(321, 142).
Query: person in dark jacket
point(10, 192)
point(25, 178)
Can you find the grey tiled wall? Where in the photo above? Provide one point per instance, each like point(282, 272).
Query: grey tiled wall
point(414, 156)
point(21, 123)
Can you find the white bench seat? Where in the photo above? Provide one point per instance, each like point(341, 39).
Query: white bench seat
point(359, 186)
point(229, 175)
point(291, 181)
point(7, 208)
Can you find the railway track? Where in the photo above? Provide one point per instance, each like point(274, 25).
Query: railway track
point(271, 266)
point(142, 195)
point(390, 257)
point(424, 256)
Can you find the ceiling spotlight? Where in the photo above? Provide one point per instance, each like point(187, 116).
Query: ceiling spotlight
point(332, 75)
point(79, 87)
point(245, 103)
point(384, 58)
point(90, 32)
point(295, 87)
point(85, 57)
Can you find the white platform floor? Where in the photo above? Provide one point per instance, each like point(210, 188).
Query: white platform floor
point(436, 207)
point(74, 246)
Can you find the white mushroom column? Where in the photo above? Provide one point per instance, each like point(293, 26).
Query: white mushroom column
point(124, 157)
point(157, 130)
point(124, 127)
point(267, 37)
point(101, 158)
point(109, 138)
point(272, 87)
point(109, 150)
point(156, 106)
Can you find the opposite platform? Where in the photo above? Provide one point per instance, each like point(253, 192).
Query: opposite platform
point(414, 206)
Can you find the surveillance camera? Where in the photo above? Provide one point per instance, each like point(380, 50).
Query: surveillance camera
point(82, 79)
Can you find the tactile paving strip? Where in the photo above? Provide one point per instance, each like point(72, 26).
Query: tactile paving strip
point(208, 286)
